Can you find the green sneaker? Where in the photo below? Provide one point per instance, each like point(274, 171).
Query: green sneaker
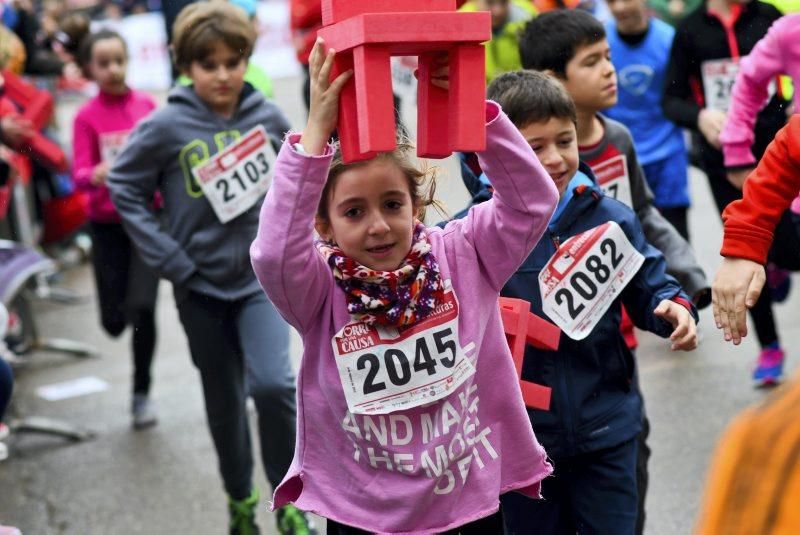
point(243, 515)
point(293, 521)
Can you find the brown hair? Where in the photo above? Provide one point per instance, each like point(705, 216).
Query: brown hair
point(84, 55)
point(73, 30)
point(531, 97)
point(201, 25)
point(421, 181)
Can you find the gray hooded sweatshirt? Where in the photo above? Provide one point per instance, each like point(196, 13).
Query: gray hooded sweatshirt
point(192, 248)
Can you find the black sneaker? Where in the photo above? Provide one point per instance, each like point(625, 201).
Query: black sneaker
point(243, 515)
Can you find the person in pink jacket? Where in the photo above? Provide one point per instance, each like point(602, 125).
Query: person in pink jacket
point(126, 288)
point(776, 54)
point(410, 417)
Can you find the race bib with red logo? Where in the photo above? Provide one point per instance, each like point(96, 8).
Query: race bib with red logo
point(585, 275)
point(111, 144)
point(719, 75)
point(612, 175)
point(239, 176)
point(384, 369)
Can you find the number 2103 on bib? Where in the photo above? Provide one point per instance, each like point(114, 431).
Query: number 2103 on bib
point(239, 176)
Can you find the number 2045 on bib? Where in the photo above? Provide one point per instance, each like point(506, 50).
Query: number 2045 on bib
point(585, 275)
point(386, 369)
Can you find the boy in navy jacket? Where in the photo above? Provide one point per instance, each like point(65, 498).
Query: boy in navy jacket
point(593, 259)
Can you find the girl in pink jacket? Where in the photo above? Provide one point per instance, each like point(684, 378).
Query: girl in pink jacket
point(776, 54)
point(410, 417)
point(126, 288)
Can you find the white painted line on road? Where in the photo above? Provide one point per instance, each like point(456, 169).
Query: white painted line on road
point(72, 388)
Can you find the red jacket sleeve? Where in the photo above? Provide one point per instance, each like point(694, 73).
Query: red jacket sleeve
point(768, 191)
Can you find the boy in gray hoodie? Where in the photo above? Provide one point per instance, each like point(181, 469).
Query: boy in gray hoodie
point(208, 154)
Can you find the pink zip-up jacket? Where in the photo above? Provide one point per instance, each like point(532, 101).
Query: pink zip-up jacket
point(438, 466)
point(99, 130)
point(777, 53)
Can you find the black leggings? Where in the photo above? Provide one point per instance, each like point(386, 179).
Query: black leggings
point(485, 526)
point(678, 218)
point(126, 295)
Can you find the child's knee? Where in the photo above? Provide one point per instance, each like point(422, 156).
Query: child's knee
point(114, 325)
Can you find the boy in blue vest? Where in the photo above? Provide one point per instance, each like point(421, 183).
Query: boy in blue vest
point(593, 259)
point(640, 46)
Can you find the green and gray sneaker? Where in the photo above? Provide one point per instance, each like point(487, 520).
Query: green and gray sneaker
point(243, 515)
point(293, 521)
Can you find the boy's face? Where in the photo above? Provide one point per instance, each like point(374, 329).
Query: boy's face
point(498, 9)
point(630, 15)
point(555, 143)
point(218, 78)
point(590, 77)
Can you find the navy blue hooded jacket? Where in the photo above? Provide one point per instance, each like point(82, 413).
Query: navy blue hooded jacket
point(594, 404)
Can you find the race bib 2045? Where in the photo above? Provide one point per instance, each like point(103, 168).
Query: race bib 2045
point(585, 275)
point(383, 369)
point(612, 175)
point(239, 176)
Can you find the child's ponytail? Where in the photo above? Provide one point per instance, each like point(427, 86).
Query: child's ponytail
point(78, 40)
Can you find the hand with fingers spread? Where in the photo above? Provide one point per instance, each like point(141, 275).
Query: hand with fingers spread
point(323, 111)
point(736, 288)
point(684, 334)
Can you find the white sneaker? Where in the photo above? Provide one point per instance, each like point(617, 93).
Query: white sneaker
point(3, 455)
point(143, 413)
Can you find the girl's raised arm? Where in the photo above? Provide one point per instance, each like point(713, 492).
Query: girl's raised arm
point(291, 271)
point(505, 229)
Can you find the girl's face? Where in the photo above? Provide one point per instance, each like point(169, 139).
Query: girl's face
point(218, 78)
point(108, 64)
point(371, 215)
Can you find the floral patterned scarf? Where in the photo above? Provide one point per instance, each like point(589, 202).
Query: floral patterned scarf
point(395, 298)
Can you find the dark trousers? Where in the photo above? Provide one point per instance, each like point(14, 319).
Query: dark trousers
point(485, 526)
point(242, 347)
point(126, 295)
point(678, 217)
point(642, 474)
point(589, 493)
point(6, 386)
